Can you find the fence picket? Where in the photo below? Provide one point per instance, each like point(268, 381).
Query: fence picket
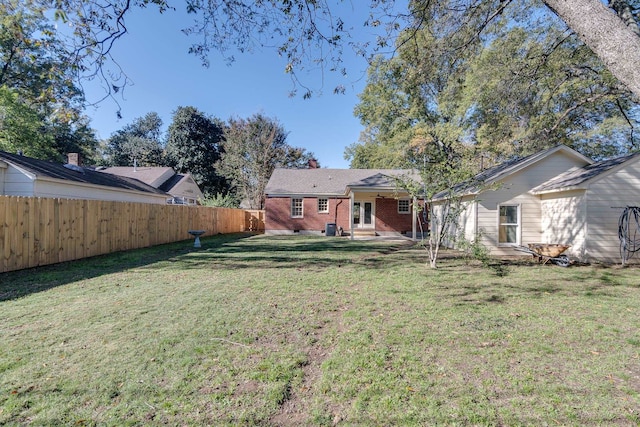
point(40, 231)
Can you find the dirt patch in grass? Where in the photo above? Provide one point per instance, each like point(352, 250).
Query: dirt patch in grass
point(296, 410)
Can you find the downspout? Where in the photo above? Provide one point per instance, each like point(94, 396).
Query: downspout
point(414, 217)
point(3, 174)
point(351, 202)
point(475, 220)
point(335, 214)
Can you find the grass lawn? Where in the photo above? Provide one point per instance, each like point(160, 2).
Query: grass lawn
point(317, 331)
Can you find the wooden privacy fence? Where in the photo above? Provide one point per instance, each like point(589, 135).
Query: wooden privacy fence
point(254, 220)
point(40, 231)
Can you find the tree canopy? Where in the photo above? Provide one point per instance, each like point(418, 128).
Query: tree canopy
point(37, 78)
point(45, 63)
point(21, 128)
point(523, 86)
point(315, 33)
point(138, 142)
point(194, 146)
point(251, 150)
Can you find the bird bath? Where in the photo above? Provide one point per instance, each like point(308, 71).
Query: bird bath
point(196, 234)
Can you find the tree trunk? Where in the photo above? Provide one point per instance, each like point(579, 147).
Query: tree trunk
point(606, 35)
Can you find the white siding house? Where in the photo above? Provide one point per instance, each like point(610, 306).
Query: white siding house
point(502, 211)
point(182, 188)
point(28, 177)
point(582, 207)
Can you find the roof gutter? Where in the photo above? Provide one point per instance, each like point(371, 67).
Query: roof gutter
point(304, 195)
point(558, 190)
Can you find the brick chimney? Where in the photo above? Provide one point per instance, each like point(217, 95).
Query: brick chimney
point(313, 164)
point(74, 159)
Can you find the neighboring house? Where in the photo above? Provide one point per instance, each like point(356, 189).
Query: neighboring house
point(182, 188)
point(365, 201)
point(26, 176)
point(554, 196)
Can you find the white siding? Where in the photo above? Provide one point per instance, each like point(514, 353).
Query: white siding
point(564, 221)
point(607, 198)
point(514, 191)
point(3, 172)
point(17, 183)
point(72, 190)
point(530, 226)
point(188, 189)
point(466, 223)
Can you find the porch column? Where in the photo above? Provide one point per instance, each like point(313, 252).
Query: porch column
point(351, 202)
point(414, 216)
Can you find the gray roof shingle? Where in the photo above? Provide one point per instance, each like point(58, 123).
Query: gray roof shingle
point(331, 182)
point(47, 169)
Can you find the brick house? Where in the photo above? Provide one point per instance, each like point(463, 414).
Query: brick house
point(354, 201)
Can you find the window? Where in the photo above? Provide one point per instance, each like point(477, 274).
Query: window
point(323, 205)
point(509, 224)
point(296, 208)
point(404, 207)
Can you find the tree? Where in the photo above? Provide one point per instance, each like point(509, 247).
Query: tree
point(138, 142)
point(33, 61)
point(194, 146)
point(536, 87)
point(316, 33)
point(21, 129)
point(385, 109)
point(251, 150)
point(314, 26)
point(524, 87)
point(38, 72)
point(612, 33)
point(74, 137)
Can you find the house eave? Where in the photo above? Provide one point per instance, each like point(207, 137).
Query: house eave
point(558, 190)
point(375, 189)
point(460, 195)
point(303, 195)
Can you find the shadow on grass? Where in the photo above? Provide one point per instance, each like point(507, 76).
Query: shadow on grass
point(229, 251)
point(300, 252)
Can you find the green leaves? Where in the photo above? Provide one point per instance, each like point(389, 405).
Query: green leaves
point(21, 128)
point(139, 141)
point(193, 146)
point(251, 150)
point(492, 81)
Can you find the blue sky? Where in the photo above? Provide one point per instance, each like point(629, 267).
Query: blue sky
point(154, 54)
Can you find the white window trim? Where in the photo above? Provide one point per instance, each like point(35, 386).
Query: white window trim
point(408, 207)
point(327, 204)
point(518, 226)
point(301, 207)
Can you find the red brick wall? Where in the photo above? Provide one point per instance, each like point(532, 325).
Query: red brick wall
point(278, 214)
point(388, 218)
